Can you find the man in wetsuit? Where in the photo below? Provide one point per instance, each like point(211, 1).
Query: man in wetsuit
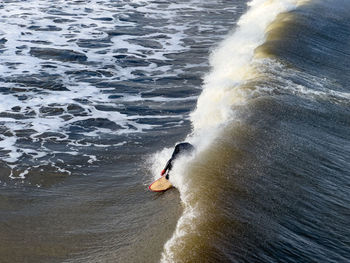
point(180, 149)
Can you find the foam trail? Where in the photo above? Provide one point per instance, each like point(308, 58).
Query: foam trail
point(57, 64)
point(232, 65)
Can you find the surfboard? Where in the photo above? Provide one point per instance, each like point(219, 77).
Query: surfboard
point(160, 185)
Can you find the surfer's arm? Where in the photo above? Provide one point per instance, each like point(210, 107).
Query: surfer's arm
point(168, 166)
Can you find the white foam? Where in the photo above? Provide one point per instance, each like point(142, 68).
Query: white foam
point(8, 144)
point(321, 87)
point(82, 22)
point(231, 64)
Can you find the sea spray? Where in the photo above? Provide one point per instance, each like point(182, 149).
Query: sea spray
point(231, 64)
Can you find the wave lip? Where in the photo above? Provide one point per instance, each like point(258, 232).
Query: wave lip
point(231, 63)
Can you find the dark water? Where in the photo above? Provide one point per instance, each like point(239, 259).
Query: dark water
point(95, 94)
point(89, 91)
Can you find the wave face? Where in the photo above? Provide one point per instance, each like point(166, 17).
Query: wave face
point(270, 179)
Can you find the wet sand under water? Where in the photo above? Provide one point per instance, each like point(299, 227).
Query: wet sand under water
point(78, 221)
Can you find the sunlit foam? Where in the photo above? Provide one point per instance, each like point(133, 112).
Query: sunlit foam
point(231, 63)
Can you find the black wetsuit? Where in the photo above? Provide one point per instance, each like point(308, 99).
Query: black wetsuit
point(180, 149)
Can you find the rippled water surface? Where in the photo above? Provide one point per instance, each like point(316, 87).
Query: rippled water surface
point(95, 94)
point(89, 90)
point(80, 78)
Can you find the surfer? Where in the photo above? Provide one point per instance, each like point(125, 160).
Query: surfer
point(180, 149)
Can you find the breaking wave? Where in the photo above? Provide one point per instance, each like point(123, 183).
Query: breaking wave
point(248, 77)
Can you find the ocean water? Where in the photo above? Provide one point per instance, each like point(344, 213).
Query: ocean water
point(95, 94)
